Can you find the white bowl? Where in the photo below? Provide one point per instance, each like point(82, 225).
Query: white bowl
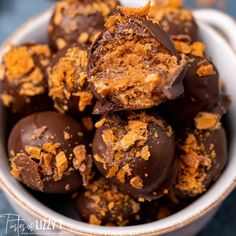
point(187, 221)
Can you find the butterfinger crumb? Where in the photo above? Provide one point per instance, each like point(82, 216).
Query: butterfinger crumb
point(33, 151)
point(112, 171)
point(80, 156)
point(66, 135)
point(198, 49)
point(100, 123)
point(205, 120)
point(205, 70)
point(61, 163)
point(136, 182)
point(94, 220)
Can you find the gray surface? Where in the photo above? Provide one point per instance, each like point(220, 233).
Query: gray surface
point(15, 12)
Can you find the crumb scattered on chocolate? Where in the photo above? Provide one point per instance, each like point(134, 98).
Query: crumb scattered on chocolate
point(195, 162)
point(67, 80)
point(195, 49)
point(128, 140)
point(206, 120)
point(23, 72)
point(136, 182)
point(109, 204)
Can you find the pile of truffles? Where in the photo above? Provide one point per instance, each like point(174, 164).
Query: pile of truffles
point(121, 111)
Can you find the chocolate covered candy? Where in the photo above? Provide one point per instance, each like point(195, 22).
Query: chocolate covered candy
point(136, 152)
point(175, 20)
point(202, 157)
point(102, 203)
point(23, 78)
point(49, 152)
point(201, 86)
point(134, 64)
point(78, 21)
point(67, 78)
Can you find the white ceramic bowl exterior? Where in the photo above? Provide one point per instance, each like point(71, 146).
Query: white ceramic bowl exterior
point(180, 223)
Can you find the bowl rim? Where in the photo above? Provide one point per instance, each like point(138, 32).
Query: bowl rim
point(154, 228)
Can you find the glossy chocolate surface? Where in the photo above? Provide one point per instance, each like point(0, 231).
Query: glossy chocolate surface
point(176, 21)
point(24, 78)
point(202, 158)
point(102, 203)
point(136, 153)
point(78, 21)
point(48, 152)
point(201, 93)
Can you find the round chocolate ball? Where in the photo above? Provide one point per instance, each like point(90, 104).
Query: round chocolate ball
point(136, 152)
point(201, 85)
point(174, 19)
point(134, 65)
point(78, 21)
point(102, 203)
point(24, 79)
point(202, 158)
point(67, 79)
point(49, 152)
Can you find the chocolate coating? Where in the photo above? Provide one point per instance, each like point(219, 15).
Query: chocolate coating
point(134, 65)
point(176, 21)
point(24, 80)
point(48, 152)
point(136, 152)
point(202, 158)
point(201, 90)
point(67, 79)
point(102, 203)
point(78, 21)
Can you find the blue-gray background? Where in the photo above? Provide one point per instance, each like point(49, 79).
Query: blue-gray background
point(15, 12)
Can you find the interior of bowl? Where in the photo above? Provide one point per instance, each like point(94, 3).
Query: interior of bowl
point(36, 30)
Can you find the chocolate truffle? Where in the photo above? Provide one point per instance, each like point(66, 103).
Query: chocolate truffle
point(202, 158)
point(134, 64)
point(102, 203)
point(201, 85)
point(23, 78)
point(174, 19)
point(78, 21)
point(49, 152)
point(136, 152)
point(67, 79)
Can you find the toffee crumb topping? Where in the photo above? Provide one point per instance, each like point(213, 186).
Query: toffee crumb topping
point(195, 162)
point(170, 14)
point(195, 49)
point(50, 159)
point(109, 204)
point(67, 80)
point(127, 140)
point(205, 120)
point(68, 14)
point(23, 71)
